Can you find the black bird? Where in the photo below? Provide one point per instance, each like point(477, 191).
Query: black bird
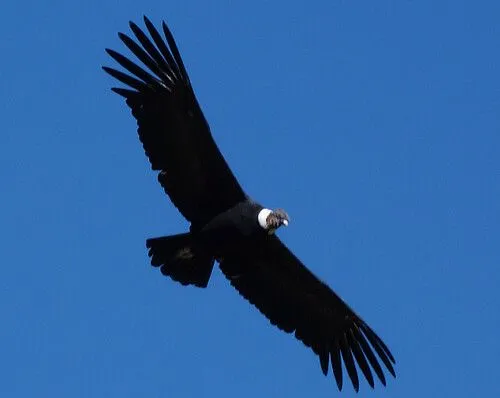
point(228, 226)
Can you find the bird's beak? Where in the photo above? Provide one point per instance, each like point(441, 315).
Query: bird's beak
point(285, 223)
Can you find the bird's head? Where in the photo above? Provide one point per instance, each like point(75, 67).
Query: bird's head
point(271, 220)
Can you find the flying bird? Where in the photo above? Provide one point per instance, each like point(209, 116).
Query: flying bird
point(226, 225)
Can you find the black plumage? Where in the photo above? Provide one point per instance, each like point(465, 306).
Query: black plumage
point(227, 226)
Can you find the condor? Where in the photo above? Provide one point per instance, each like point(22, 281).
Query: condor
point(227, 226)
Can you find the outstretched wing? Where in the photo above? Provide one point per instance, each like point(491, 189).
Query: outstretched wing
point(171, 126)
point(296, 301)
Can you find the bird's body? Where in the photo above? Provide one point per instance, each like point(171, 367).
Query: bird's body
point(227, 226)
point(238, 222)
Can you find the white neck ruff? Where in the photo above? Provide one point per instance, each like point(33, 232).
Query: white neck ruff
point(262, 217)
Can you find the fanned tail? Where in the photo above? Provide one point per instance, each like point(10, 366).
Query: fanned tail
point(181, 259)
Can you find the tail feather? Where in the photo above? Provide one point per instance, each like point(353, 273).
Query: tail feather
point(181, 259)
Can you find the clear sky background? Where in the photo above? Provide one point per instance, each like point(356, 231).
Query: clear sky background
point(375, 124)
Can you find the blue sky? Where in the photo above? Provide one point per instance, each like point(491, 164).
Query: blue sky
point(376, 125)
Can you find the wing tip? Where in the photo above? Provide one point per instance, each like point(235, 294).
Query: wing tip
point(122, 36)
point(107, 69)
